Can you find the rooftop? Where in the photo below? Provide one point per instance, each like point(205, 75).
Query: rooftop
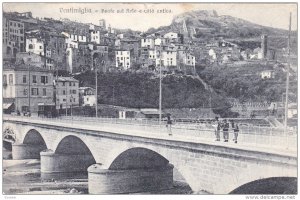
point(66, 79)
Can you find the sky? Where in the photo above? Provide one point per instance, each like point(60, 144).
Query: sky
point(273, 15)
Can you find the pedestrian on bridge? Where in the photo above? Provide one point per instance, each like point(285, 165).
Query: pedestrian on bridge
point(217, 127)
point(235, 132)
point(169, 124)
point(225, 130)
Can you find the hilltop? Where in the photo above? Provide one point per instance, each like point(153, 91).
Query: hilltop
point(203, 23)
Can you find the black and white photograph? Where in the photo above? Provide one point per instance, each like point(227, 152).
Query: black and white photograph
point(148, 98)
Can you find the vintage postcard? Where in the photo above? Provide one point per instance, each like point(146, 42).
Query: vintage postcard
point(149, 98)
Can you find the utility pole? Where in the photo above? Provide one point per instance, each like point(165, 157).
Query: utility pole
point(160, 83)
point(287, 78)
point(96, 92)
point(66, 98)
point(29, 88)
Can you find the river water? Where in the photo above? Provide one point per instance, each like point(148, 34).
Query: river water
point(24, 177)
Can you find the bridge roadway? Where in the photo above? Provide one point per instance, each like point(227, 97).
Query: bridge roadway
point(136, 158)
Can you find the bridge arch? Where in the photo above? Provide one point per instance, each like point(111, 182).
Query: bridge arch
point(138, 158)
point(249, 179)
point(272, 185)
point(29, 145)
point(71, 155)
point(33, 137)
point(72, 145)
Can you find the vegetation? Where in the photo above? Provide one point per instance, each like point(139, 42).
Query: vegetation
point(245, 83)
point(140, 90)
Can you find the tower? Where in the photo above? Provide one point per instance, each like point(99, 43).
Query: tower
point(264, 46)
point(102, 23)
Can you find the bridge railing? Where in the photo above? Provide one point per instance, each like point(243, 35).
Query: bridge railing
point(254, 135)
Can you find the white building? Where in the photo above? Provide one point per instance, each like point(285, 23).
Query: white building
point(171, 36)
point(67, 92)
point(95, 36)
point(266, 74)
point(123, 59)
point(147, 42)
point(168, 58)
point(87, 96)
point(35, 45)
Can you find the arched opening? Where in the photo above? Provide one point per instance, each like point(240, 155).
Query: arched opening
point(70, 160)
point(273, 185)
point(72, 145)
point(138, 158)
point(31, 147)
point(33, 137)
point(8, 50)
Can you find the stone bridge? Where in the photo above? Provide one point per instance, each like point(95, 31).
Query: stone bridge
point(119, 162)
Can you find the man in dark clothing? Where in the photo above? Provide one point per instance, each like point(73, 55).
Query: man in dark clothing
point(225, 131)
point(169, 123)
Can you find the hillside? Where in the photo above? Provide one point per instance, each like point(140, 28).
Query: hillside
point(141, 90)
point(202, 23)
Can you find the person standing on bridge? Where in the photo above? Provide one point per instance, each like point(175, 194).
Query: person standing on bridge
point(217, 127)
point(169, 124)
point(225, 130)
point(235, 132)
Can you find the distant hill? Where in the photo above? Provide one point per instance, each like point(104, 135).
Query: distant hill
point(202, 23)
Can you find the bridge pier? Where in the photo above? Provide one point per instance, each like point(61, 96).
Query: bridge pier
point(52, 164)
point(26, 151)
point(106, 181)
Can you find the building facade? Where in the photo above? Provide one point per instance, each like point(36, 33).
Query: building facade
point(123, 59)
point(27, 87)
point(87, 96)
point(13, 38)
point(35, 45)
point(66, 92)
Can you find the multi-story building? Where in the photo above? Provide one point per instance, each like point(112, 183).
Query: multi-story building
point(26, 86)
point(122, 59)
point(168, 58)
point(66, 92)
point(13, 38)
point(95, 36)
point(186, 58)
point(35, 45)
point(148, 42)
point(87, 96)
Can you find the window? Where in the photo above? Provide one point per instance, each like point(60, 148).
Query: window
point(24, 78)
point(44, 92)
point(34, 79)
point(41, 47)
point(64, 99)
point(30, 46)
point(25, 92)
point(10, 79)
point(44, 79)
point(74, 84)
point(63, 83)
point(74, 92)
point(70, 84)
point(64, 92)
point(34, 91)
point(4, 79)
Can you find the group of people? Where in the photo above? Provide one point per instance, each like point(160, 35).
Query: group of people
point(225, 126)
